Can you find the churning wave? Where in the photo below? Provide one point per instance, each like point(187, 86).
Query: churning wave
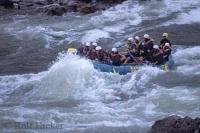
point(73, 93)
point(117, 22)
point(80, 97)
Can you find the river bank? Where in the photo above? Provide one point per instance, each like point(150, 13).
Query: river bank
point(53, 7)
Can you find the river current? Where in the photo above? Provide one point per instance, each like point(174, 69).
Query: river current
point(40, 84)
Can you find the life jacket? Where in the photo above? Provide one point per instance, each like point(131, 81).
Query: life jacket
point(129, 45)
point(86, 51)
point(133, 46)
point(137, 44)
point(80, 51)
point(147, 49)
point(157, 56)
point(100, 55)
point(148, 45)
point(106, 57)
point(163, 41)
point(133, 53)
point(116, 59)
point(92, 54)
point(166, 52)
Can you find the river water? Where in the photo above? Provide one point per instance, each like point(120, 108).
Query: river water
point(40, 84)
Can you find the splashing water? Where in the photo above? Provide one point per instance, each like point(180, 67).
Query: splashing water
point(72, 92)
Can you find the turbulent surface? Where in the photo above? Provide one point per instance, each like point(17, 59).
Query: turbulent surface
point(67, 90)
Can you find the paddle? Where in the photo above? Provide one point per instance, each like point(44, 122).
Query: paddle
point(132, 56)
point(150, 56)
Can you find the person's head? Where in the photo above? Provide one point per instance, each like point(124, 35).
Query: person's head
point(167, 44)
point(98, 48)
point(94, 44)
point(114, 50)
point(87, 44)
point(146, 37)
point(156, 47)
point(130, 40)
point(137, 39)
point(165, 35)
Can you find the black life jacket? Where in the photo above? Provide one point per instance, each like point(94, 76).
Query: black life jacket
point(163, 41)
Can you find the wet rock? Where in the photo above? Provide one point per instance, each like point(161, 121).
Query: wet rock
point(56, 7)
point(39, 3)
point(6, 3)
point(176, 124)
point(72, 6)
point(87, 8)
point(52, 9)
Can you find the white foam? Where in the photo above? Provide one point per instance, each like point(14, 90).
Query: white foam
point(115, 28)
point(187, 56)
point(126, 12)
point(118, 18)
point(66, 78)
point(187, 18)
point(94, 35)
point(177, 5)
point(74, 78)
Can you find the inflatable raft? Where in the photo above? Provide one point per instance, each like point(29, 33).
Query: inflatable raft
point(128, 68)
point(124, 69)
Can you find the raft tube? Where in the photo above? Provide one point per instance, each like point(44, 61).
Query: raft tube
point(128, 68)
point(124, 69)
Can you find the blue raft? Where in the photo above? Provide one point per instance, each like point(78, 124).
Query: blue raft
point(124, 69)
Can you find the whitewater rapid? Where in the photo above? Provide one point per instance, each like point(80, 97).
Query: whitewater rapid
point(107, 27)
point(73, 93)
point(52, 87)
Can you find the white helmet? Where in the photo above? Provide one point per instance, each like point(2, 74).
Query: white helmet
point(114, 49)
point(155, 46)
point(94, 44)
point(137, 38)
point(98, 48)
point(146, 36)
point(165, 35)
point(167, 44)
point(130, 39)
point(87, 44)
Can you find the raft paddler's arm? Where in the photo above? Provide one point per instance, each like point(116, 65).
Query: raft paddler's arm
point(164, 56)
point(122, 53)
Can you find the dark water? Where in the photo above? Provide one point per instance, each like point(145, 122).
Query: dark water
point(39, 84)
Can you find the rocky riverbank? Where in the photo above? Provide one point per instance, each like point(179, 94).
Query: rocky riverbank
point(176, 124)
point(54, 7)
